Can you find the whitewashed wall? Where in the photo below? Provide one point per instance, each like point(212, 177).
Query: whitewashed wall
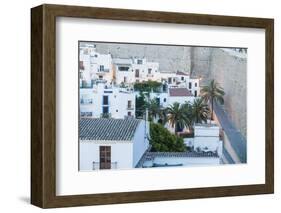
point(188, 161)
point(121, 152)
point(140, 142)
point(118, 101)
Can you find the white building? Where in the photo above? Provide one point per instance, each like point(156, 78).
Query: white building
point(206, 139)
point(173, 95)
point(145, 70)
point(132, 70)
point(111, 143)
point(181, 80)
point(93, 65)
point(106, 100)
point(123, 71)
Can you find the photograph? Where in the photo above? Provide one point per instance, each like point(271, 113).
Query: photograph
point(156, 105)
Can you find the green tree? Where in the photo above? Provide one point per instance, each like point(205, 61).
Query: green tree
point(212, 93)
point(140, 105)
point(161, 140)
point(200, 111)
point(153, 109)
point(177, 116)
point(147, 86)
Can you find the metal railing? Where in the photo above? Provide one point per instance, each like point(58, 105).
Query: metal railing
point(97, 165)
point(130, 107)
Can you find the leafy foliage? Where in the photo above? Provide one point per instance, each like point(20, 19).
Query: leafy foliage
point(147, 86)
point(178, 116)
point(162, 140)
point(200, 111)
point(140, 105)
point(213, 93)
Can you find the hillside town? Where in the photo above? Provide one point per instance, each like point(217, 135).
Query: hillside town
point(134, 115)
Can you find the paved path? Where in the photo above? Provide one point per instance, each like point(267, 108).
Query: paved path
point(236, 139)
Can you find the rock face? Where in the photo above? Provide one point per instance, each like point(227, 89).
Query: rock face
point(227, 67)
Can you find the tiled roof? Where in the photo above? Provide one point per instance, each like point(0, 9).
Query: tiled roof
point(181, 73)
point(179, 92)
point(108, 129)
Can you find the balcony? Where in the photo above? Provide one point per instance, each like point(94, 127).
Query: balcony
point(97, 165)
point(130, 107)
point(105, 115)
point(103, 70)
point(86, 101)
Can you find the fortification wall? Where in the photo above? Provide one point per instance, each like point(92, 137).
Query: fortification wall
point(226, 67)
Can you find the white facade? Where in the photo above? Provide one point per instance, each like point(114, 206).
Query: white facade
point(130, 71)
point(181, 80)
point(105, 100)
point(123, 154)
point(93, 65)
point(145, 71)
point(123, 71)
point(187, 161)
point(207, 138)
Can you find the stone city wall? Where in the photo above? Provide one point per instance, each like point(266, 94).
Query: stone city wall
point(227, 67)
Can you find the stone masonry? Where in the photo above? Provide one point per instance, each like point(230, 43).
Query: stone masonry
point(229, 68)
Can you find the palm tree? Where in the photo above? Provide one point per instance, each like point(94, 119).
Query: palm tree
point(200, 111)
point(163, 117)
point(212, 93)
point(153, 109)
point(188, 114)
point(177, 116)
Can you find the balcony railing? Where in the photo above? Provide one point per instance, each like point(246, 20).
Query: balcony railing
point(112, 165)
point(130, 107)
point(105, 115)
point(86, 101)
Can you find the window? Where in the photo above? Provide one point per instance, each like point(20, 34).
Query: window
point(164, 99)
point(123, 68)
point(137, 73)
point(149, 71)
point(125, 79)
point(101, 67)
point(129, 113)
point(129, 104)
point(105, 110)
point(182, 78)
point(139, 61)
point(81, 65)
point(86, 114)
point(195, 84)
point(195, 93)
point(100, 77)
point(105, 100)
point(169, 80)
point(189, 85)
point(105, 157)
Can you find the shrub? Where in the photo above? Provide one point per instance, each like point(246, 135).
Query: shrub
point(161, 140)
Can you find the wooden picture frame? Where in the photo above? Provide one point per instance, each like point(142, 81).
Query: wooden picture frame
point(43, 105)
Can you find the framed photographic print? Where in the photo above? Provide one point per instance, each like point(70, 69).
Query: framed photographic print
point(136, 106)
